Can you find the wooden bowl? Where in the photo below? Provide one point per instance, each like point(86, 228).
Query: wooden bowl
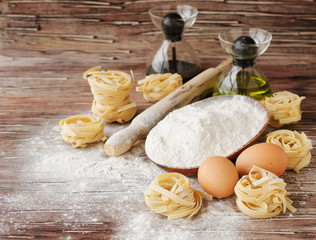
point(233, 155)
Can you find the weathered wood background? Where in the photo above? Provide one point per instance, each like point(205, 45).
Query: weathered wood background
point(45, 48)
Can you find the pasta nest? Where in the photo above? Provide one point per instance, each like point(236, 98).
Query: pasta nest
point(82, 129)
point(156, 86)
point(261, 194)
point(111, 91)
point(284, 108)
point(171, 195)
point(296, 146)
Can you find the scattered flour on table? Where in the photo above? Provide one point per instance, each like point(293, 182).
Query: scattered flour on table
point(86, 162)
point(187, 136)
point(215, 221)
point(71, 187)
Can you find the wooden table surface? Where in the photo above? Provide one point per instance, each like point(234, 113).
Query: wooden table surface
point(50, 190)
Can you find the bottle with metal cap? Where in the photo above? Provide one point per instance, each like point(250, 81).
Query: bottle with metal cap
point(174, 54)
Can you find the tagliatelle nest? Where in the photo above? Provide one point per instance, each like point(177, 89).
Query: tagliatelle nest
point(284, 108)
point(171, 195)
point(295, 145)
point(111, 91)
point(82, 129)
point(156, 86)
point(261, 194)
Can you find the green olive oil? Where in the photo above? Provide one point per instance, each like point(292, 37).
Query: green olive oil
point(243, 81)
point(244, 77)
point(257, 88)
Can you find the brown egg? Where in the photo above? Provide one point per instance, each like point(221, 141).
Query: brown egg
point(265, 155)
point(218, 176)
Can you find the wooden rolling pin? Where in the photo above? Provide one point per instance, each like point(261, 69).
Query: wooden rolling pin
point(122, 141)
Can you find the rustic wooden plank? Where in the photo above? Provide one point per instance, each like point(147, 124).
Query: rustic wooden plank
point(50, 190)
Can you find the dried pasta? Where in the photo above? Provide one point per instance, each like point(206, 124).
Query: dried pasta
point(157, 86)
point(295, 145)
point(261, 194)
point(111, 91)
point(284, 108)
point(170, 194)
point(82, 129)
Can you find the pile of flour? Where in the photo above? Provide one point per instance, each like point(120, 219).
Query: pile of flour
point(212, 127)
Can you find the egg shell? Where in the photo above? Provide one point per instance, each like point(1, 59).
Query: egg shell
point(265, 155)
point(218, 176)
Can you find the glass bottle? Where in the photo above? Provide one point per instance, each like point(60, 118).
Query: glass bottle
point(244, 77)
point(173, 54)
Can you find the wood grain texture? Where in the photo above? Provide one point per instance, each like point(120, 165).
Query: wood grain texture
point(45, 48)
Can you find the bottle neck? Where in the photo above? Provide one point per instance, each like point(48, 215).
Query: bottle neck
point(244, 63)
point(173, 38)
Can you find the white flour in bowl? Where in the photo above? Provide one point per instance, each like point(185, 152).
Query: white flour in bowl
point(212, 127)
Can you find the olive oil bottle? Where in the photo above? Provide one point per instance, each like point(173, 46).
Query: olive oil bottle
point(249, 82)
point(244, 77)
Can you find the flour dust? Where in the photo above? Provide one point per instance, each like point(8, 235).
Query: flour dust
point(76, 188)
